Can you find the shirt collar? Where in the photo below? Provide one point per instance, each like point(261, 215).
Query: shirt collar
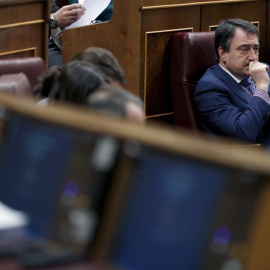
point(226, 70)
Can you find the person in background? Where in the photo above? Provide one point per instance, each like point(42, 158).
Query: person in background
point(100, 59)
point(63, 17)
point(74, 83)
point(45, 83)
point(112, 100)
point(232, 97)
point(78, 83)
point(59, 19)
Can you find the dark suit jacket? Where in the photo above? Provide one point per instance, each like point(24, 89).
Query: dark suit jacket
point(224, 108)
point(54, 7)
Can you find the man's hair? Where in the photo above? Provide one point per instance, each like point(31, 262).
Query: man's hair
point(78, 82)
point(45, 83)
point(75, 82)
point(226, 30)
point(104, 62)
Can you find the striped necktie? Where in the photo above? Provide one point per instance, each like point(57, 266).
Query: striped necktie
point(249, 85)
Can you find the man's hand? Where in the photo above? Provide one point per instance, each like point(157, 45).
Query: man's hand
point(69, 14)
point(258, 72)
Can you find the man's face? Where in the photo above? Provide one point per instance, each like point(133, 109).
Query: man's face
point(244, 48)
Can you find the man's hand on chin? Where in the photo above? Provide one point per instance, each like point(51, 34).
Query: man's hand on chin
point(259, 73)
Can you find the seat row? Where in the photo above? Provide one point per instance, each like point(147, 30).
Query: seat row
point(191, 54)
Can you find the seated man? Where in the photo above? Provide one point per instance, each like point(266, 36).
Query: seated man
point(232, 97)
point(64, 17)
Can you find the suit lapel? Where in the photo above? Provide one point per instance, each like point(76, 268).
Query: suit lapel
point(232, 85)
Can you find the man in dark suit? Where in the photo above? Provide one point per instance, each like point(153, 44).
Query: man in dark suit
point(226, 104)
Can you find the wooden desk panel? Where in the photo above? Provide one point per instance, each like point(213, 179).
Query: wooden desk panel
point(120, 36)
point(156, 28)
point(24, 28)
point(153, 4)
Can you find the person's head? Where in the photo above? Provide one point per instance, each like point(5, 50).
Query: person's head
point(104, 62)
point(236, 45)
point(75, 82)
point(115, 101)
point(44, 85)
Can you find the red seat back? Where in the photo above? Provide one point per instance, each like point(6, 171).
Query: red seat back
point(192, 53)
point(32, 67)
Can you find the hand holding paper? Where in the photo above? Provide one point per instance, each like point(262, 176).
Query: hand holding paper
point(93, 9)
point(68, 14)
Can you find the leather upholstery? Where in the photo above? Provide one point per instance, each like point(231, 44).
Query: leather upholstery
point(15, 83)
point(191, 54)
point(32, 67)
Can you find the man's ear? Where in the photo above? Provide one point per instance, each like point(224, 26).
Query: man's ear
point(222, 55)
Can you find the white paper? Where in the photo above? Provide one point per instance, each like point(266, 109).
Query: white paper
point(93, 9)
point(10, 218)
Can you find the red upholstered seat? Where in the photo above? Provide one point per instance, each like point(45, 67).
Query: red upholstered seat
point(32, 67)
point(15, 83)
point(191, 54)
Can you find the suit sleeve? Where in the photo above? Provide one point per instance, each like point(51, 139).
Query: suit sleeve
point(54, 7)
